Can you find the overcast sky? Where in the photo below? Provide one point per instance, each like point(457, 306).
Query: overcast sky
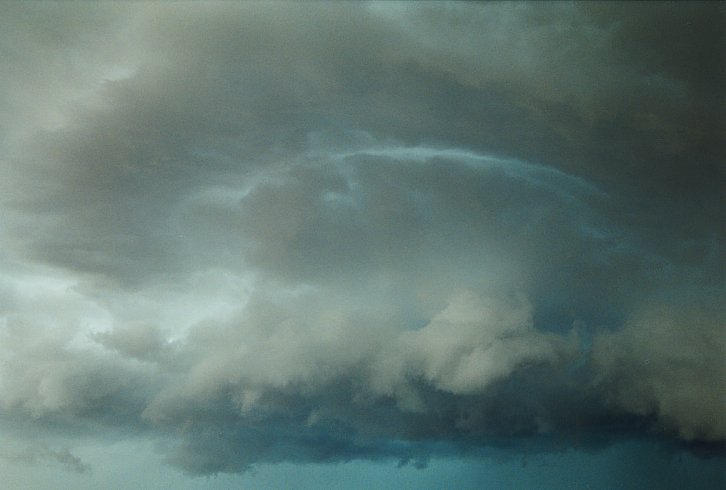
point(362, 245)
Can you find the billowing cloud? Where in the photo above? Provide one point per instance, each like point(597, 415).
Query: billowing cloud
point(265, 233)
point(668, 362)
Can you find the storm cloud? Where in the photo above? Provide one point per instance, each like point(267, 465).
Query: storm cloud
point(262, 233)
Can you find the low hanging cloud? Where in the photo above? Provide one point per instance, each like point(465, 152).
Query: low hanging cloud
point(468, 345)
point(318, 233)
point(668, 361)
point(42, 454)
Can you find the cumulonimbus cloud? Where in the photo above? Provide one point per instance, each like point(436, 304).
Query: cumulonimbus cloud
point(319, 233)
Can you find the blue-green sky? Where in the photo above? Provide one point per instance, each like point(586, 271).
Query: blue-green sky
point(119, 465)
point(362, 245)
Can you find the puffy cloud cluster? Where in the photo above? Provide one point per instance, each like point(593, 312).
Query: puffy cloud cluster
point(669, 361)
point(467, 346)
point(265, 233)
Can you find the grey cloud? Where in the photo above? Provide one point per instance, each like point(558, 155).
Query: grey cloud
point(170, 123)
point(137, 341)
point(467, 346)
point(318, 232)
point(50, 380)
point(668, 361)
point(40, 454)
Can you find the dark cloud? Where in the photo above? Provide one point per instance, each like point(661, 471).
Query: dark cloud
point(42, 454)
point(317, 232)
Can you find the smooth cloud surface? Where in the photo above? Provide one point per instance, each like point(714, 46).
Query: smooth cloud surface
point(277, 232)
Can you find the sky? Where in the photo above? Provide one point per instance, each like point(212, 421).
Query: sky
point(362, 245)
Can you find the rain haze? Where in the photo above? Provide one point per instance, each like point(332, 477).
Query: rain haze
point(362, 245)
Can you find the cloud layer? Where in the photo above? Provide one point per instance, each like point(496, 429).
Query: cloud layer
point(321, 232)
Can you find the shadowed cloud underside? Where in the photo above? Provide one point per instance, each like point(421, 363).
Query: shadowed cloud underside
point(293, 233)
